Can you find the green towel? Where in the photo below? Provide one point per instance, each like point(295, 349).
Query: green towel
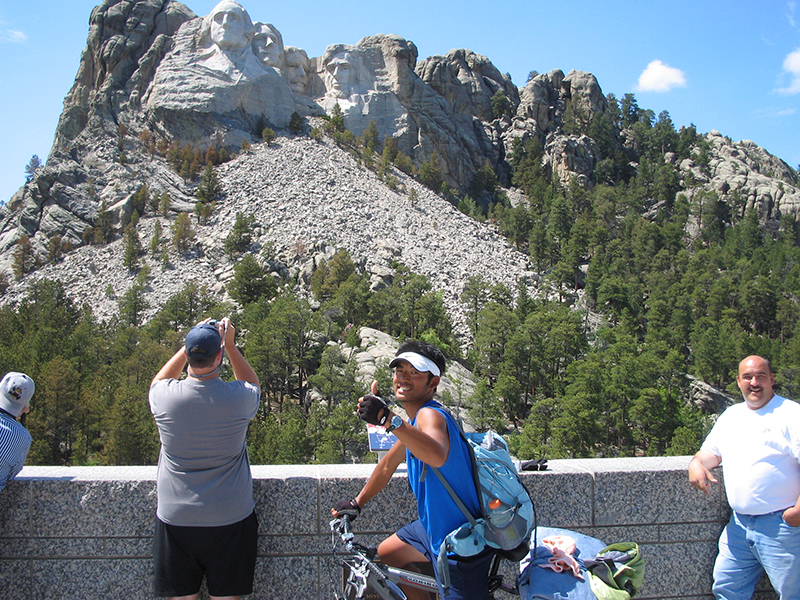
point(617, 572)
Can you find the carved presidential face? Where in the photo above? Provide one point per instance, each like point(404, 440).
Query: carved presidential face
point(341, 75)
point(229, 26)
point(295, 69)
point(268, 45)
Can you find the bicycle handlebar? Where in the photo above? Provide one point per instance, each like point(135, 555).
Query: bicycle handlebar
point(341, 526)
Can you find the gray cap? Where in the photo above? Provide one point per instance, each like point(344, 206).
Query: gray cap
point(16, 391)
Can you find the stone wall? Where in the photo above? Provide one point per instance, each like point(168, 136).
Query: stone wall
point(84, 532)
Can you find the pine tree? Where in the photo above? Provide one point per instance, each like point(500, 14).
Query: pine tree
point(182, 233)
point(133, 248)
point(240, 236)
point(430, 173)
point(24, 258)
point(296, 123)
point(210, 187)
point(371, 136)
point(31, 168)
point(54, 249)
point(335, 124)
point(103, 226)
point(268, 135)
point(132, 306)
point(140, 200)
point(165, 204)
point(203, 212)
point(250, 283)
point(500, 104)
point(155, 241)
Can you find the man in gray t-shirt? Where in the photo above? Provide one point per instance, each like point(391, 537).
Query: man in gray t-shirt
point(206, 523)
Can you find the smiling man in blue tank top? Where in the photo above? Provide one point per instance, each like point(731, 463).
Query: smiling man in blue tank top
point(429, 437)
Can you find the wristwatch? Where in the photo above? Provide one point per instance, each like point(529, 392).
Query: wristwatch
point(396, 422)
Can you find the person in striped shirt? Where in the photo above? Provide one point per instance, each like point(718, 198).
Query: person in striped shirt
point(16, 390)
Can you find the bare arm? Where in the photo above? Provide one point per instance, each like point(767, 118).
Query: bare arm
point(241, 368)
point(700, 475)
point(382, 474)
point(434, 447)
point(173, 367)
point(428, 439)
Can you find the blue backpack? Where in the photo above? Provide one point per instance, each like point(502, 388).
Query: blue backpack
point(507, 514)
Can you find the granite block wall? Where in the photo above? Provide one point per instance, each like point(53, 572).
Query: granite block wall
point(85, 532)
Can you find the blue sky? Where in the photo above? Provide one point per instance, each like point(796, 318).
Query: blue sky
point(729, 65)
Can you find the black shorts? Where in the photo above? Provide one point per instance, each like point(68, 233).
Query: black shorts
point(225, 555)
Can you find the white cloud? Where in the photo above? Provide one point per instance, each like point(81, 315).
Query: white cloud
point(791, 66)
point(659, 77)
point(792, 62)
point(12, 36)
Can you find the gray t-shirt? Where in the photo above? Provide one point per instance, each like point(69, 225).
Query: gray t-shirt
point(203, 470)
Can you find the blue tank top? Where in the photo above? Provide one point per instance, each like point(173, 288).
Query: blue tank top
point(437, 511)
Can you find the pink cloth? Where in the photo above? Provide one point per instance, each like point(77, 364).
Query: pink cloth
point(562, 547)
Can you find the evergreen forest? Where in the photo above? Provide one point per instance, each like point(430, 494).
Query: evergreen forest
point(638, 301)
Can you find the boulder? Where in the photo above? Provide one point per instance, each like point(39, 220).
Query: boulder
point(709, 399)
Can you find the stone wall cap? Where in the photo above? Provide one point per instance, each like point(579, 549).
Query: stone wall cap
point(148, 473)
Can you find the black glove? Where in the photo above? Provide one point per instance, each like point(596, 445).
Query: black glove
point(373, 410)
point(347, 507)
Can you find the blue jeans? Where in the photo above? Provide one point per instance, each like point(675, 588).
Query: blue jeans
point(750, 545)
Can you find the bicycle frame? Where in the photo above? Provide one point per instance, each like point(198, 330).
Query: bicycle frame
point(364, 573)
point(382, 579)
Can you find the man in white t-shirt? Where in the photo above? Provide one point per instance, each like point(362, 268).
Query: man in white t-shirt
point(758, 444)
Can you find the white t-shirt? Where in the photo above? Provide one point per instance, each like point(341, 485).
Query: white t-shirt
point(760, 451)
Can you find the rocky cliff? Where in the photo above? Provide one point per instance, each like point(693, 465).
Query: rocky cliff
point(155, 75)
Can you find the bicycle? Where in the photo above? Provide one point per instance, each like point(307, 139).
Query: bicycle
point(365, 571)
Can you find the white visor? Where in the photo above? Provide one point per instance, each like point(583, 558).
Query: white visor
point(419, 362)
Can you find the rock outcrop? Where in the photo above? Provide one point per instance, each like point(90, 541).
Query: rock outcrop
point(746, 176)
point(709, 399)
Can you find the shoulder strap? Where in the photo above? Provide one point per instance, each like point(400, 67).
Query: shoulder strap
point(453, 495)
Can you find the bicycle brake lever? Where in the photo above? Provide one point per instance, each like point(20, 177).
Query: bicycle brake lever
point(396, 589)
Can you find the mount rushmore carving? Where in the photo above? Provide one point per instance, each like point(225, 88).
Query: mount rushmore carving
point(238, 70)
point(208, 80)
